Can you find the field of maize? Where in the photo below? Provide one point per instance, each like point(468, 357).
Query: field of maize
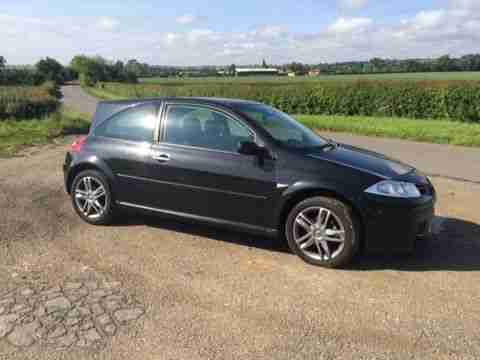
point(28, 102)
point(454, 100)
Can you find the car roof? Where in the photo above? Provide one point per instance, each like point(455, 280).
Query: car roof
point(201, 100)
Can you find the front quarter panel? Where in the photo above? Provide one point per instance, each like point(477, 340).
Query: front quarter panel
point(300, 174)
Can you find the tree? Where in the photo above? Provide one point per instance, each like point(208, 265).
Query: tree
point(232, 69)
point(264, 64)
point(297, 68)
point(94, 69)
point(3, 62)
point(51, 70)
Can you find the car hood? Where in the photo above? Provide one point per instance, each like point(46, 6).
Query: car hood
point(364, 160)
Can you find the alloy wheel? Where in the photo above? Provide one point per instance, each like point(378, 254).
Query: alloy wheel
point(90, 197)
point(319, 233)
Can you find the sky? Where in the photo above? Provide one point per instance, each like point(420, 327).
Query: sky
point(201, 32)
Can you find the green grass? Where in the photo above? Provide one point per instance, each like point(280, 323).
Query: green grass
point(467, 75)
point(101, 94)
point(434, 131)
point(18, 134)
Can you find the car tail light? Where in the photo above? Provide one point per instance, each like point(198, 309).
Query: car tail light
point(78, 144)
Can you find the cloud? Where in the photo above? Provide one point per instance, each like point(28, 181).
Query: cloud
point(186, 19)
point(453, 29)
point(107, 23)
point(353, 4)
point(347, 25)
point(429, 19)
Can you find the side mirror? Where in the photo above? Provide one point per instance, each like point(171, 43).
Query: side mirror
point(251, 148)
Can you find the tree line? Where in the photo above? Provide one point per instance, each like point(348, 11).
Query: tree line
point(92, 69)
point(89, 70)
point(444, 63)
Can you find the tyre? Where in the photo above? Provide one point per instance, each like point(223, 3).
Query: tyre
point(92, 197)
point(323, 231)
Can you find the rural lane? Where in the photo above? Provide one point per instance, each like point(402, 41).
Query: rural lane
point(454, 162)
point(76, 99)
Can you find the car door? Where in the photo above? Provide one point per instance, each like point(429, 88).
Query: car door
point(196, 170)
point(124, 143)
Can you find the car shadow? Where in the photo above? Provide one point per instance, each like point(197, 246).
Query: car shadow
point(455, 247)
point(204, 230)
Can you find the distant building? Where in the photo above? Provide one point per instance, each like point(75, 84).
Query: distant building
point(292, 74)
point(314, 72)
point(255, 71)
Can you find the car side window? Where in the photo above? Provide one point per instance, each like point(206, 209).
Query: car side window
point(135, 124)
point(202, 127)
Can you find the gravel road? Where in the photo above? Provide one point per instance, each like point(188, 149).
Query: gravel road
point(192, 292)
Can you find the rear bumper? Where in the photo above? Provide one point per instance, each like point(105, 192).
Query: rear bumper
point(393, 225)
point(66, 168)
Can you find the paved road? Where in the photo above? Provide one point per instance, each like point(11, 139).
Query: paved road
point(212, 294)
point(77, 99)
point(454, 162)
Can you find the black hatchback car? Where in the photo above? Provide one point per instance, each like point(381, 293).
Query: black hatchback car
point(248, 166)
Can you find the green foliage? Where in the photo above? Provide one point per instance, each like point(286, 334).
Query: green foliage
point(421, 99)
point(51, 70)
point(28, 102)
point(18, 77)
point(16, 134)
point(92, 70)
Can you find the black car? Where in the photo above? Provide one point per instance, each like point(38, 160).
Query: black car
point(248, 166)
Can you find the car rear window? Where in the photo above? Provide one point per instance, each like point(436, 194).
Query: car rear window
point(135, 124)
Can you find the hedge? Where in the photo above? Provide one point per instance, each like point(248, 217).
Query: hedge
point(456, 100)
point(28, 102)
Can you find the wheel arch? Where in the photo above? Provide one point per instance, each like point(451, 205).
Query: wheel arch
point(297, 194)
point(97, 166)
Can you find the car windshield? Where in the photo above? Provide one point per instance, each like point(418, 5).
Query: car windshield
point(282, 128)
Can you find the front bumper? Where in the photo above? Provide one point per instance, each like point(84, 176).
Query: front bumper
point(393, 225)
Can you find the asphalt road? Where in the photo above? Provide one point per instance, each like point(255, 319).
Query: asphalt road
point(77, 99)
point(213, 294)
point(454, 162)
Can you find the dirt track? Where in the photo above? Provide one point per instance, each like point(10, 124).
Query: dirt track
point(220, 295)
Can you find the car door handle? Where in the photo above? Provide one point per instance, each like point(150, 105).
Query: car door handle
point(161, 157)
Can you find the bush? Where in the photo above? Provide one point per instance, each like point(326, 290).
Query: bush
point(28, 102)
point(20, 77)
point(412, 99)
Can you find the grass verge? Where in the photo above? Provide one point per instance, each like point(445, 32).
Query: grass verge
point(433, 131)
point(424, 130)
point(17, 134)
point(101, 94)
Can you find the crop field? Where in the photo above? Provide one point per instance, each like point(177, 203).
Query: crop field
point(428, 99)
point(461, 76)
point(27, 102)
point(32, 115)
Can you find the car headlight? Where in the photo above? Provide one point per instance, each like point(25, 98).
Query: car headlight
point(398, 189)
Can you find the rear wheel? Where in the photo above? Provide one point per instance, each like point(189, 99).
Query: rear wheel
point(92, 198)
point(323, 232)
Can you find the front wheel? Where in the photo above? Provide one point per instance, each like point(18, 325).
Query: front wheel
point(323, 232)
point(92, 198)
